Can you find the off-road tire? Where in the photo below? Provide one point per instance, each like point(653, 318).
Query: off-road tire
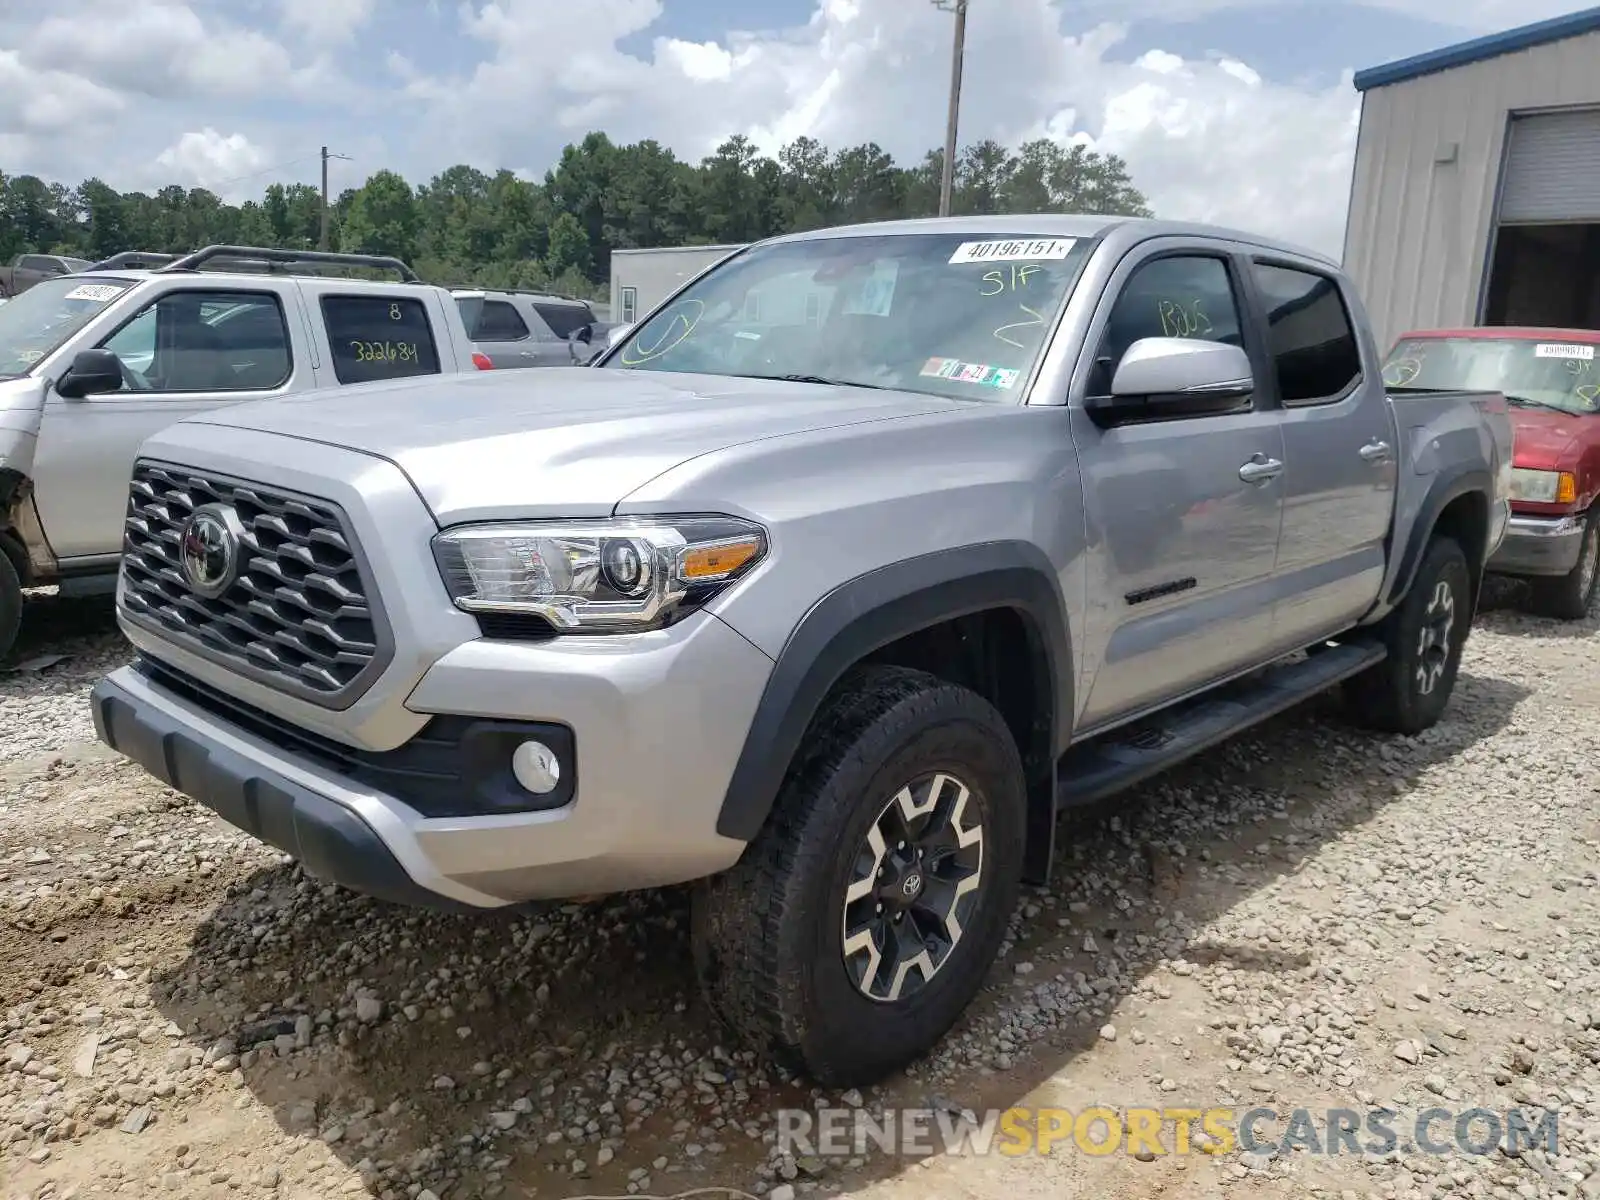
point(1408, 691)
point(1567, 597)
point(10, 605)
point(769, 933)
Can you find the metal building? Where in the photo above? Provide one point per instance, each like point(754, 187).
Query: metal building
point(642, 279)
point(1476, 192)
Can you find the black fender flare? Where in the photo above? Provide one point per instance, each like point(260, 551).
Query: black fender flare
point(1445, 488)
point(869, 612)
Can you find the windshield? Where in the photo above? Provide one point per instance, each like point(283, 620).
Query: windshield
point(1548, 374)
point(946, 314)
point(35, 323)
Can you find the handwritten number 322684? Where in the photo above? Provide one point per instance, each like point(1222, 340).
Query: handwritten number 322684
point(405, 352)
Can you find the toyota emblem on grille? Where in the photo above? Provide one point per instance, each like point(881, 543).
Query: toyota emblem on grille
point(208, 550)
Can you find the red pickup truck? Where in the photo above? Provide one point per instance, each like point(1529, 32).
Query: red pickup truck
point(1552, 379)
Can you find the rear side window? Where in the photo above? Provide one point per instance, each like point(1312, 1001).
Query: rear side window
point(563, 319)
point(379, 337)
point(499, 322)
point(1309, 333)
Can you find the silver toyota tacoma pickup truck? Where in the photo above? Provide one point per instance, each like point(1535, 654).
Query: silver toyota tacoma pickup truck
point(825, 590)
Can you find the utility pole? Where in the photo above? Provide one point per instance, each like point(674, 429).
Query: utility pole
point(322, 241)
point(947, 184)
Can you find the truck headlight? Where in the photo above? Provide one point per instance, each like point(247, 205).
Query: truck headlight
point(617, 575)
point(1543, 487)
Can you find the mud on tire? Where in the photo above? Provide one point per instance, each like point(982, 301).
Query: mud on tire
point(863, 918)
point(1408, 691)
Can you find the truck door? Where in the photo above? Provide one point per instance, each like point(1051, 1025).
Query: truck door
point(500, 332)
point(558, 322)
point(1183, 513)
point(1340, 465)
point(192, 348)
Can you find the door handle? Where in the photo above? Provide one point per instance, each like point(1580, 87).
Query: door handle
point(1260, 469)
point(1375, 451)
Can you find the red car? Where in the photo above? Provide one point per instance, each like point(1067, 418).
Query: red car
point(1552, 379)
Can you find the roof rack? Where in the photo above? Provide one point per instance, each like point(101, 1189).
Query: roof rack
point(514, 291)
point(135, 260)
point(270, 257)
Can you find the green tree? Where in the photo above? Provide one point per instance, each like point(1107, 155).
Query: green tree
point(383, 218)
point(569, 246)
point(466, 225)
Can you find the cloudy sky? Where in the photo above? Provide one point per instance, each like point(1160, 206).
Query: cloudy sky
point(1231, 110)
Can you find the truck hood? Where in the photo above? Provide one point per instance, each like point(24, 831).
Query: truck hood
point(558, 441)
point(1549, 441)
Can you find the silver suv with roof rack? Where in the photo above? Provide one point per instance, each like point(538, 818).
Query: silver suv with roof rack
point(514, 327)
point(92, 363)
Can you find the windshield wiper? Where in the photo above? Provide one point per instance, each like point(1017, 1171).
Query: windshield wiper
point(821, 379)
point(1530, 402)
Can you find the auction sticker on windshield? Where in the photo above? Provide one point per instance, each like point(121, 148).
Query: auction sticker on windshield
point(96, 291)
point(1564, 350)
point(965, 372)
point(1013, 250)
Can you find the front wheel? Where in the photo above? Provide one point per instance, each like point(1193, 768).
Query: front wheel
point(862, 920)
point(1567, 597)
point(10, 604)
point(1408, 691)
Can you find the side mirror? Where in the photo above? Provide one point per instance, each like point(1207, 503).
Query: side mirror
point(92, 373)
point(1174, 377)
point(584, 334)
point(618, 332)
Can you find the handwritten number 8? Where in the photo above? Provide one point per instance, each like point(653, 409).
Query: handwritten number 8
point(394, 312)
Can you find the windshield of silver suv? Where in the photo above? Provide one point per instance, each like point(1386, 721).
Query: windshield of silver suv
point(35, 323)
point(959, 315)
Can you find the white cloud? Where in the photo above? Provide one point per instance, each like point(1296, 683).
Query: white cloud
point(158, 48)
point(1207, 138)
point(326, 21)
point(210, 160)
point(37, 100)
point(1204, 139)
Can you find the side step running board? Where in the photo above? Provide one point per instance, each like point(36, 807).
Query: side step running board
point(1123, 757)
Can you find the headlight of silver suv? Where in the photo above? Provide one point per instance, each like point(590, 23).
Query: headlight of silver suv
point(620, 575)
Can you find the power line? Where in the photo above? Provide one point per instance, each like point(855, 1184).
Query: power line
point(293, 162)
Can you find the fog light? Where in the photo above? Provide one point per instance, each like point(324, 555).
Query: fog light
point(536, 767)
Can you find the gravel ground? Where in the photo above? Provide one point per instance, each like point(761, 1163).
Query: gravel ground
point(1308, 917)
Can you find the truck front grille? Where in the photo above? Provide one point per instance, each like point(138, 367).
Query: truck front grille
point(296, 615)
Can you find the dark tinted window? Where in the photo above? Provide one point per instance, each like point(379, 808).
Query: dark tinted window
point(1188, 297)
point(499, 322)
point(37, 262)
point(1309, 333)
point(564, 318)
point(379, 337)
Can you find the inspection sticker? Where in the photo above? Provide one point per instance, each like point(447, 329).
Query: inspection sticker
point(95, 291)
point(1014, 250)
point(964, 372)
point(1563, 350)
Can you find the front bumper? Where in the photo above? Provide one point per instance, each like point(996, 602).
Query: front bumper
point(1539, 546)
point(657, 723)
